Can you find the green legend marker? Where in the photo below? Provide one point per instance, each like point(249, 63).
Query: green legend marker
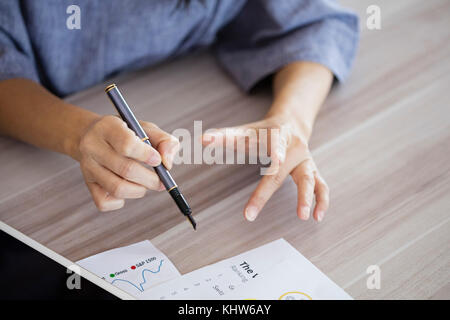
point(112, 275)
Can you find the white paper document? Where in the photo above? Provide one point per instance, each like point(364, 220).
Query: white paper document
point(273, 271)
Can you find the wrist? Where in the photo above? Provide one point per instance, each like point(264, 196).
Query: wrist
point(301, 122)
point(80, 122)
point(300, 88)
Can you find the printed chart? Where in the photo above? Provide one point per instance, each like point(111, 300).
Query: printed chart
point(145, 276)
point(134, 268)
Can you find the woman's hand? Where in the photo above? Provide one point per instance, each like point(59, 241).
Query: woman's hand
point(289, 155)
point(299, 91)
point(112, 158)
point(112, 161)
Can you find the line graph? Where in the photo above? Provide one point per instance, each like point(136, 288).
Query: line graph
point(140, 287)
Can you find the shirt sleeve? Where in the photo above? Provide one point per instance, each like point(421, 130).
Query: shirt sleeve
point(16, 54)
point(268, 34)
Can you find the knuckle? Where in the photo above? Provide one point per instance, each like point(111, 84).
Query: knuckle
point(304, 199)
point(323, 195)
point(127, 146)
point(151, 125)
point(126, 168)
point(85, 144)
point(104, 123)
point(100, 127)
point(118, 190)
point(148, 152)
point(110, 124)
point(148, 126)
point(322, 183)
point(277, 180)
point(110, 119)
point(308, 178)
point(153, 181)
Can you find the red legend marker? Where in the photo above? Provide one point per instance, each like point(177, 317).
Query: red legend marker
point(133, 267)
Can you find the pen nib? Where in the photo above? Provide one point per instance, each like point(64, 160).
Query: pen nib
point(192, 221)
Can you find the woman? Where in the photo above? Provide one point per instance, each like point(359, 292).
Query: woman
point(303, 43)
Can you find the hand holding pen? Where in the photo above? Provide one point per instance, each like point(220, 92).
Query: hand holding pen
point(163, 173)
point(112, 158)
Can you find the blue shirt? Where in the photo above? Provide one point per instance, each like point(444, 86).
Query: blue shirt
point(252, 39)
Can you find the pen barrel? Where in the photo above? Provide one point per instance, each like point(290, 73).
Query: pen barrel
point(125, 112)
point(165, 177)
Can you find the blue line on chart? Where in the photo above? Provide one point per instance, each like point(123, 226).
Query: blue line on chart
point(140, 287)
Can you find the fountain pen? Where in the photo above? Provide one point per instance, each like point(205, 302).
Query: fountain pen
point(127, 115)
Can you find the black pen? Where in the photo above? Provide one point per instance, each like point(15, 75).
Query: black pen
point(127, 115)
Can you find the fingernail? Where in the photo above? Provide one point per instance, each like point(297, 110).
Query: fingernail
point(168, 162)
point(172, 155)
point(161, 187)
point(320, 215)
point(169, 155)
point(304, 212)
point(154, 160)
point(251, 213)
point(111, 205)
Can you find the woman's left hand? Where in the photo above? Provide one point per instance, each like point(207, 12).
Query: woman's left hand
point(289, 154)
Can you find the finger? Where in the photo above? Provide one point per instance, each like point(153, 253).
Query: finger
point(103, 201)
point(126, 143)
point(277, 148)
point(127, 168)
point(303, 176)
point(113, 184)
point(168, 149)
point(322, 198)
point(231, 137)
point(166, 144)
point(264, 190)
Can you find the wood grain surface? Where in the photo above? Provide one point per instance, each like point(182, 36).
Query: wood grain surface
point(382, 142)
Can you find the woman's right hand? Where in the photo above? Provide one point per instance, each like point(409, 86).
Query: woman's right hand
point(111, 158)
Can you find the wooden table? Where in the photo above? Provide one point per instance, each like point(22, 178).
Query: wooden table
point(382, 141)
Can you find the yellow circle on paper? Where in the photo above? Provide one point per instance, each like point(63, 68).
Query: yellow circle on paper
point(295, 293)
